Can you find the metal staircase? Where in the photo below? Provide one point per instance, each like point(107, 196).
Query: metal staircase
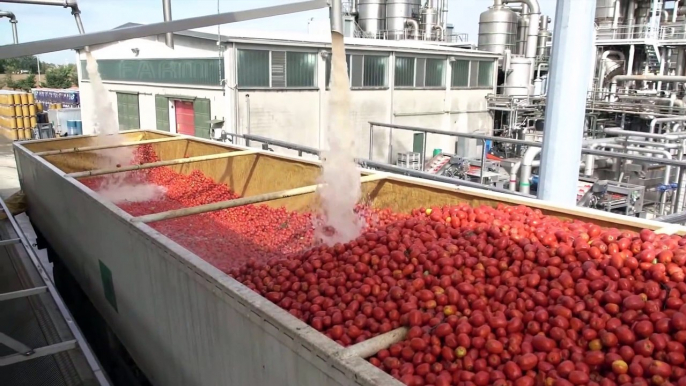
point(653, 35)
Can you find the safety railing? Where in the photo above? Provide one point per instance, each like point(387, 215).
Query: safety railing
point(669, 32)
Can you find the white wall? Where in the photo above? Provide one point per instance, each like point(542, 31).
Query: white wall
point(151, 48)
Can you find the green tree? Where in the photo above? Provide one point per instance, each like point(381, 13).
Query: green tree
point(25, 84)
point(60, 77)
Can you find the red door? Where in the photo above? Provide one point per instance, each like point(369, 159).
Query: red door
point(185, 117)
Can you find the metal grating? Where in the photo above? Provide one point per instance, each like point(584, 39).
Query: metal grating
point(38, 321)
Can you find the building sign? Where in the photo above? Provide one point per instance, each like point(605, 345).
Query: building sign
point(201, 72)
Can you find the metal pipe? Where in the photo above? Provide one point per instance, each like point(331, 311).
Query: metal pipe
point(655, 121)
point(110, 36)
point(353, 7)
point(534, 20)
point(590, 160)
point(681, 186)
point(169, 36)
point(676, 10)
point(525, 174)
point(543, 35)
point(415, 27)
point(640, 134)
point(648, 78)
point(336, 16)
point(150, 165)
point(603, 58)
point(75, 11)
point(662, 145)
point(13, 22)
point(615, 19)
point(657, 100)
point(372, 346)
point(227, 204)
point(442, 32)
point(513, 175)
point(566, 101)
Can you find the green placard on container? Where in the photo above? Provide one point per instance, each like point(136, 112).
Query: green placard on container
point(437, 152)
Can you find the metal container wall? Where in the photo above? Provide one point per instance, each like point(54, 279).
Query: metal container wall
point(522, 30)
point(397, 12)
point(428, 19)
point(184, 321)
point(518, 82)
point(497, 30)
point(372, 16)
point(605, 12)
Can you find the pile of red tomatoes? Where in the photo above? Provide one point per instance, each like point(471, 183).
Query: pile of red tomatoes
point(496, 296)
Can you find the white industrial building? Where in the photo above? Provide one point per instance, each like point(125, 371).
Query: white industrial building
point(271, 84)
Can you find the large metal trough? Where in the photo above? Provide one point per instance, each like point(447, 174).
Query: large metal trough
point(184, 321)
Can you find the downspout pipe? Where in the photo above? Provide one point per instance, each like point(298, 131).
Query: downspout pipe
point(169, 36)
point(534, 20)
point(527, 163)
point(441, 33)
point(415, 28)
point(13, 21)
point(75, 11)
point(336, 16)
point(513, 175)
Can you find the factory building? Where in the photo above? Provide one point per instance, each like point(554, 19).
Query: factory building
point(274, 85)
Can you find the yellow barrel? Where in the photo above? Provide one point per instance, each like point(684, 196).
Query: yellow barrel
point(58, 106)
point(20, 123)
point(34, 121)
point(24, 110)
point(13, 134)
point(3, 99)
point(24, 97)
point(39, 107)
point(28, 133)
point(30, 98)
point(17, 110)
point(32, 109)
point(27, 122)
point(12, 122)
point(17, 99)
point(19, 134)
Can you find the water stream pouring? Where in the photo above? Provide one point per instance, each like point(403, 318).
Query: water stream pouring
point(340, 191)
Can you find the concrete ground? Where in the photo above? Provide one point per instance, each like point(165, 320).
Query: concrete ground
point(9, 184)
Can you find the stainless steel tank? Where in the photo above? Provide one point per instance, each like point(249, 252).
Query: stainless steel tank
point(605, 12)
point(543, 35)
point(497, 29)
point(518, 81)
point(643, 15)
point(372, 16)
point(397, 11)
point(428, 19)
point(522, 30)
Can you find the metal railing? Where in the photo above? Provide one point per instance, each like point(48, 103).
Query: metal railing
point(669, 32)
point(408, 34)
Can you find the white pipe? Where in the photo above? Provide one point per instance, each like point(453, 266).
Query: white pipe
point(534, 20)
point(513, 175)
point(441, 32)
point(615, 20)
point(657, 100)
point(639, 134)
point(655, 121)
point(590, 160)
point(676, 10)
point(415, 27)
point(13, 22)
point(75, 11)
point(167, 12)
point(525, 174)
point(603, 58)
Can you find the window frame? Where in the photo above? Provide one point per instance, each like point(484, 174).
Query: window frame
point(416, 67)
point(287, 50)
point(491, 79)
point(349, 61)
point(469, 74)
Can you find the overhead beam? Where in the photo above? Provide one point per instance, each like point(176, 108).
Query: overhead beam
point(115, 35)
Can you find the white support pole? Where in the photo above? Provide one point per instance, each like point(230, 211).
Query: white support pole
point(564, 117)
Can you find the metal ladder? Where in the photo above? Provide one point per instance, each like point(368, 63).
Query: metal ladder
point(653, 35)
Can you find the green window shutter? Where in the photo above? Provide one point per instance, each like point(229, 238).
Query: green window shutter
point(201, 109)
point(128, 111)
point(162, 112)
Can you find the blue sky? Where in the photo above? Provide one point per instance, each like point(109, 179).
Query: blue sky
point(44, 22)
